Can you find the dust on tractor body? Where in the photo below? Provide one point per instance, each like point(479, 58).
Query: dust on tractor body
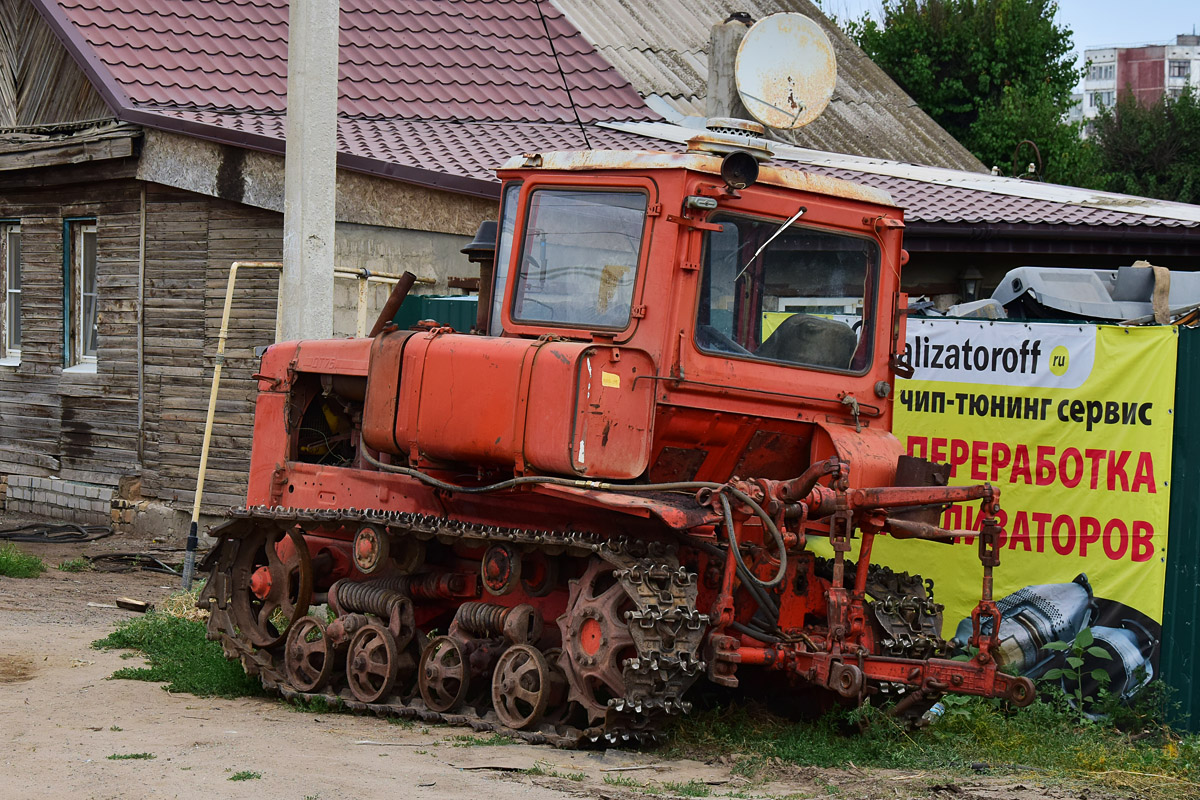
point(559, 523)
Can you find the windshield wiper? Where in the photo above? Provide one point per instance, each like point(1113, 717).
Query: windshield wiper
point(758, 252)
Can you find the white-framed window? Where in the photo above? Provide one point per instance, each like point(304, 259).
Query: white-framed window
point(83, 331)
point(1179, 69)
point(1103, 99)
point(1102, 72)
point(10, 263)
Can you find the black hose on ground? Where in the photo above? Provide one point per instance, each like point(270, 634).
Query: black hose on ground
point(128, 562)
point(55, 533)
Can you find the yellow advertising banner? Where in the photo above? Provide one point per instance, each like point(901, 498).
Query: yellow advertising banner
point(1074, 425)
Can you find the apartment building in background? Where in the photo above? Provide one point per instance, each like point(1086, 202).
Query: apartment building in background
point(1148, 72)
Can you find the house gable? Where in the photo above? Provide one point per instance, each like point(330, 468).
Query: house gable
point(40, 84)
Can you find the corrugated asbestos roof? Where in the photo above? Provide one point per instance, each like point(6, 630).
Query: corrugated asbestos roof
point(441, 92)
point(662, 48)
point(939, 195)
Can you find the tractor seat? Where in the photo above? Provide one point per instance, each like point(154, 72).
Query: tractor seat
point(811, 340)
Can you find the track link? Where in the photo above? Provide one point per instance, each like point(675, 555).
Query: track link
point(665, 625)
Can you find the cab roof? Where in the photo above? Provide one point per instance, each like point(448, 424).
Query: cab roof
point(585, 160)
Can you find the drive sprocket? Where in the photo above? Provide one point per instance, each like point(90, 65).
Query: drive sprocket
point(596, 639)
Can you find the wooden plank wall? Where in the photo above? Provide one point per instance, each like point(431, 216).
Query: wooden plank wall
point(84, 427)
point(76, 426)
point(99, 434)
point(191, 241)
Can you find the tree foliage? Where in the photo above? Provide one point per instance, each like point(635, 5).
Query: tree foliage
point(991, 72)
point(1152, 151)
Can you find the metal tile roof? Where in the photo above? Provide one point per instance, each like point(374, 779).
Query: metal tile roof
point(459, 156)
point(662, 48)
point(441, 92)
point(419, 59)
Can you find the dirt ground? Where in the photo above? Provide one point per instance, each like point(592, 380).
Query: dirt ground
point(61, 720)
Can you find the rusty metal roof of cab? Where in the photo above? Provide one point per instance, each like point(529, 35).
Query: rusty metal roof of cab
point(591, 160)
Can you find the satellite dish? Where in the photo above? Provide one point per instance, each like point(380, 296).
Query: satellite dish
point(785, 71)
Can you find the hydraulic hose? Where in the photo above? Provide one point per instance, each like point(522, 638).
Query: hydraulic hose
point(747, 576)
point(678, 486)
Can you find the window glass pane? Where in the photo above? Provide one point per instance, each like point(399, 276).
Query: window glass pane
point(504, 245)
point(87, 285)
point(804, 300)
point(12, 323)
point(14, 260)
point(579, 258)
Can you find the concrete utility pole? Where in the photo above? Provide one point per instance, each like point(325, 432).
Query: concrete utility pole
point(310, 170)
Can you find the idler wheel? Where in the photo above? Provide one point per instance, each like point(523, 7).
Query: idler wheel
point(372, 662)
point(524, 685)
point(308, 655)
point(501, 569)
point(272, 572)
point(444, 675)
point(370, 548)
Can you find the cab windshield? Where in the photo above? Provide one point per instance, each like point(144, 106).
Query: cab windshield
point(579, 258)
point(805, 299)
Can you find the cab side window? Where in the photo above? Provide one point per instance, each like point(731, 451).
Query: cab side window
point(579, 258)
point(805, 299)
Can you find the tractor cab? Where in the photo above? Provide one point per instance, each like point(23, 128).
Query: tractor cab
point(764, 293)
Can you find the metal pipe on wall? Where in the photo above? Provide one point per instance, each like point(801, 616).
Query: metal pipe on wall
point(189, 559)
point(141, 334)
point(365, 277)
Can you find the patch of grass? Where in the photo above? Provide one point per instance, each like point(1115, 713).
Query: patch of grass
point(467, 740)
point(403, 722)
point(692, 788)
point(132, 756)
point(1151, 763)
point(180, 656)
point(543, 769)
point(14, 563)
point(115, 728)
point(621, 780)
point(79, 564)
point(245, 775)
point(311, 705)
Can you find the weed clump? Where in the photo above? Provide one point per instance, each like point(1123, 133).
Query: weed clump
point(468, 740)
point(79, 564)
point(15, 563)
point(179, 655)
point(245, 775)
point(974, 735)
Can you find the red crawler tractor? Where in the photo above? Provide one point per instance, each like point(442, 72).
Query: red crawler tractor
point(556, 524)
